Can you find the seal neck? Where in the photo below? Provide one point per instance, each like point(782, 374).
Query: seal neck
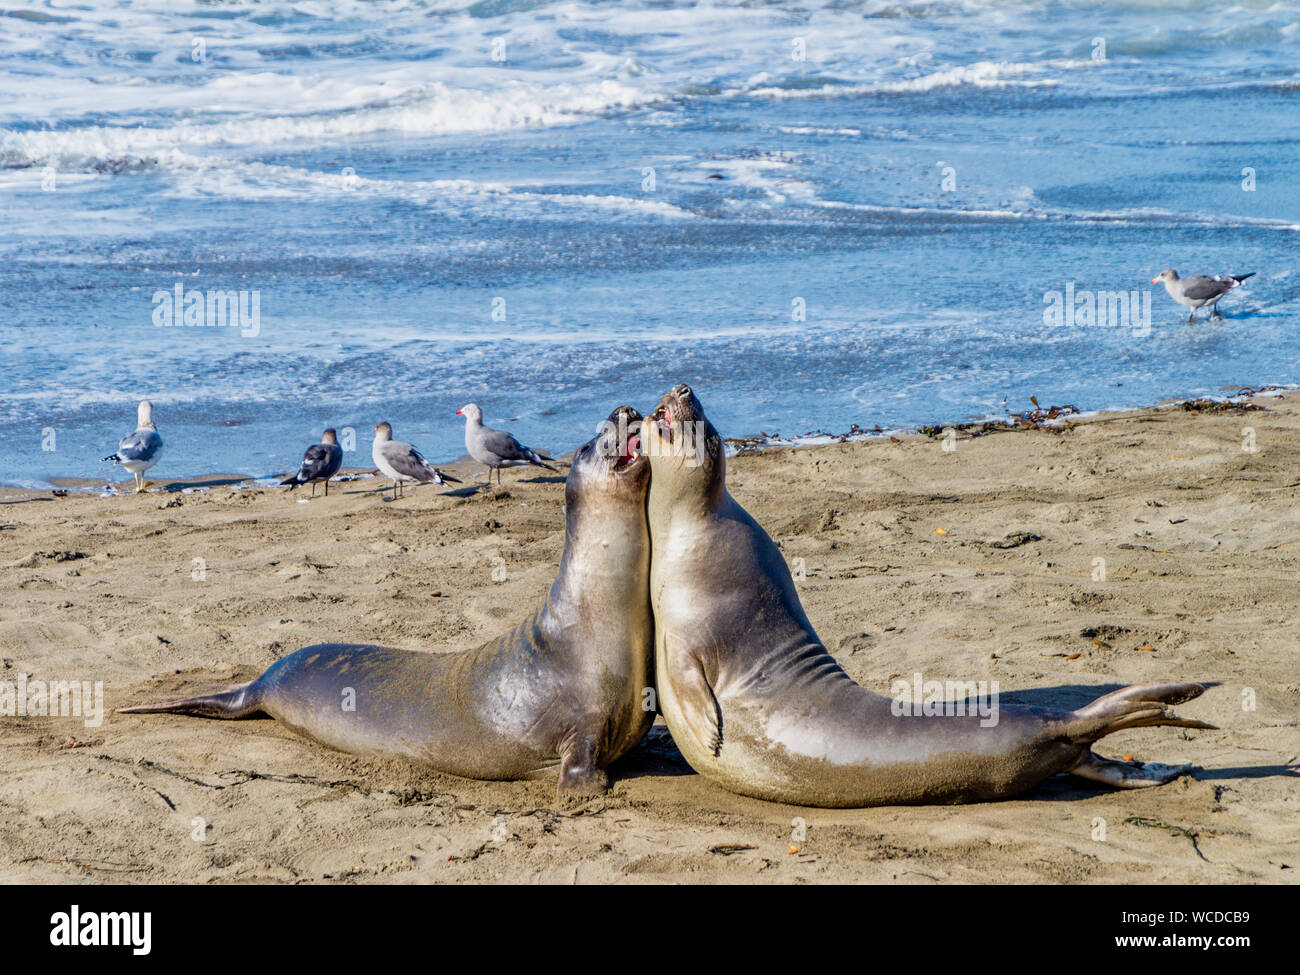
point(605, 556)
point(685, 491)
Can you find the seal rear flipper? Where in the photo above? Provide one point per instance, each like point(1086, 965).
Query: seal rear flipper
point(1126, 775)
point(1139, 706)
point(240, 701)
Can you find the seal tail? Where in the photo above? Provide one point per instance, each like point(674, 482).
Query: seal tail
point(240, 701)
point(1139, 706)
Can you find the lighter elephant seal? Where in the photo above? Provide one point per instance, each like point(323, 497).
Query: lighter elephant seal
point(756, 703)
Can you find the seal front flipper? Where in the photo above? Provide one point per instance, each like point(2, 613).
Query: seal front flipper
point(580, 771)
point(698, 704)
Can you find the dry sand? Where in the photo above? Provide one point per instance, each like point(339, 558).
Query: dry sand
point(974, 563)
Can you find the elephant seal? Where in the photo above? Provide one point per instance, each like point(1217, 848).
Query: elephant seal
point(756, 703)
point(565, 687)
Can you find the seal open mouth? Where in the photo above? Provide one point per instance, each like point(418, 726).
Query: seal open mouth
point(626, 422)
point(664, 417)
point(631, 450)
point(678, 406)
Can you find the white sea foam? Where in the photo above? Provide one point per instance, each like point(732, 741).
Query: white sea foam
point(982, 74)
point(826, 124)
point(436, 110)
point(263, 181)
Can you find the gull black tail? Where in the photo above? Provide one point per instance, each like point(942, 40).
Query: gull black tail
point(539, 460)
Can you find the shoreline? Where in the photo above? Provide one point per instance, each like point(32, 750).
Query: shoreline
point(466, 468)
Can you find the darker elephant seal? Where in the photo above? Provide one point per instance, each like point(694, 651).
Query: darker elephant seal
point(568, 686)
point(756, 703)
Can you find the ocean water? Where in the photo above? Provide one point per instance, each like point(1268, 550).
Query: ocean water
point(817, 213)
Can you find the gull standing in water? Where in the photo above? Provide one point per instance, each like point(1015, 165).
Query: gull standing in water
point(1199, 289)
point(321, 462)
point(141, 450)
point(402, 462)
point(496, 448)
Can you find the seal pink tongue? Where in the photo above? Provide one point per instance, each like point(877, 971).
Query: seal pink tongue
point(665, 418)
point(633, 444)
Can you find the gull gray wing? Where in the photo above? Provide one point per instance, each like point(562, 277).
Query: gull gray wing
point(406, 460)
point(504, 445)
point(143, 445)
point(321, 461)
point(1200, 287)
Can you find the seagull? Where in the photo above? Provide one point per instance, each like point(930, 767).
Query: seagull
point(496, 448)
point(321, 462)
point(1199, 289)
point(142, 449)
point(402, 462)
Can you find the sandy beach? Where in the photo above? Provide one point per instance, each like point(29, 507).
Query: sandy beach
point(1061, 562)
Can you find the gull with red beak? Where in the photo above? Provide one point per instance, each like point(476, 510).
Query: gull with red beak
point(402, 462)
